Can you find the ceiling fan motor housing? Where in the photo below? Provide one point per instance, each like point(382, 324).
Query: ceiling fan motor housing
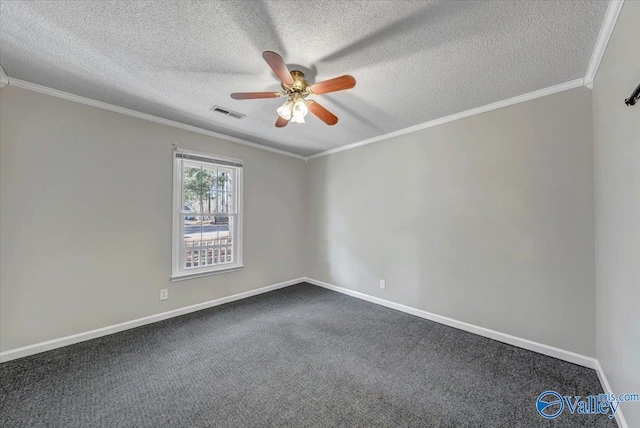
point(300, 85)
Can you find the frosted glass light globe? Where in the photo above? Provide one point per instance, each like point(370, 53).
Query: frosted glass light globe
point(285, 110)
point(299, 111)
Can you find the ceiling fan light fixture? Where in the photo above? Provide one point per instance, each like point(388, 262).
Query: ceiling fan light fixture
point(299, 111)
point(297, 119)
point(285, 110)
point(295, 88)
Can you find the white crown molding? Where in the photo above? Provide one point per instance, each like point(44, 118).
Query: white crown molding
point(561, 354)
point(99, 104)
point(608, 24)
point(4, 79)
point(88, 335)
point(483, 109)
point(622, 423)
point(478, 110)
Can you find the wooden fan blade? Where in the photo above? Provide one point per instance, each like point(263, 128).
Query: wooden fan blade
point(332, 85)
point(253, 95)
point(323, 114)
point(281, 122)
point(278, 66)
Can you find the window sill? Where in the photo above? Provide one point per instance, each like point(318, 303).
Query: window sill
point(185, 277)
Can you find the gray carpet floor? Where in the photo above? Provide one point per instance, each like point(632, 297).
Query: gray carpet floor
point(300, 356)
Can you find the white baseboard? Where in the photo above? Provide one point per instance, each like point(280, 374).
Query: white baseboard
point(104, 331)
point(551, 351)
point(622, 423)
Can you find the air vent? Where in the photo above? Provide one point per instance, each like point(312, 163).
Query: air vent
point(222, 110)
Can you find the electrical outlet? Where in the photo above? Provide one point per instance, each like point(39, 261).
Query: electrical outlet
point(383, 284)
point(164, 294)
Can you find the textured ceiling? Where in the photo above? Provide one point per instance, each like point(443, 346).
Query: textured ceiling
point(414, 61)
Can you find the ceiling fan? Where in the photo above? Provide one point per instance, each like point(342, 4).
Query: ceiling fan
point(296, 89)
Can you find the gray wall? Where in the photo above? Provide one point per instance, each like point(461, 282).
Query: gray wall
point(487, 220)
point(617, 200)
point(86, 218)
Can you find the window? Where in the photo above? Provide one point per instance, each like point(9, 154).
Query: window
point(207, 214)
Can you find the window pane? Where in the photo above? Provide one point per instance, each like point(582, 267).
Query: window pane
point(197, 191)
point(207, 241)
point(207, 189)
point(222, 182)
point(225, 239)
point(192, 241)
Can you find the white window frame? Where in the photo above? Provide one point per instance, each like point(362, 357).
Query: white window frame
point(178, 271)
